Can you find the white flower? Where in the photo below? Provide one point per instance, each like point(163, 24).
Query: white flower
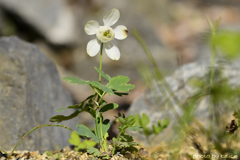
point(105, 34)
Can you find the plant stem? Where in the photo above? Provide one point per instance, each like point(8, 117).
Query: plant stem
point(99, 115)
point(100, 62)
point(45, 125)
point(119, 135)
point(3, 151)
point(213, 48)
point(159, 76)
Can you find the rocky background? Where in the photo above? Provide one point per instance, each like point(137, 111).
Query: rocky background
point(175, 31)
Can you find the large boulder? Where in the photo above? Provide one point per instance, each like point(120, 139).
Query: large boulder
point(181, 84)
point(52, 19)
point(30, 92)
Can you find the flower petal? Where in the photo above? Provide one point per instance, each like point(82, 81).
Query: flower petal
point(93, 47)
point(121, 32)
point(112, 51)
point(91, 27)
point(111, 18)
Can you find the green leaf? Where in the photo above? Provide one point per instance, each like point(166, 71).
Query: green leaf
point(119, 83)
point(135, 128)
point(165, 123)
point(74, 80)
point(144, 120)
point(121, 120)
point(107, 77)
point(89, 143)
point(76, 106)
point(127, 138)
point(85, 131)
point(108, 107)
point(74, 140)
point(94, 151)
point(124, 144)
point(81, 146)
point(228, 43)
point(60, 118)
point(49, 153)
point(147, 131)
point(105, 126)
point(156, 130)
point(120, 94)
point(102, 87)
point(60, 109)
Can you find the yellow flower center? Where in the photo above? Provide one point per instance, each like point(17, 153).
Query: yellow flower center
point(105, 34)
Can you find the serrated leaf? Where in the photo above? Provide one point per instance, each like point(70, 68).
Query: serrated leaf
point(98, 85)
point(74, 80)
point(94, 151)
point(108, 107)
point(85, 131)
point(130, 120)
point(60, 118)
point(74, 140)
point(119, 83)
point(106, 76)
point(124, 144)
point(126, 137)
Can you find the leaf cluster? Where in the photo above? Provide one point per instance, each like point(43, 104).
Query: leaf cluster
point(95, 106)
point(124, 141)
point(155, 129)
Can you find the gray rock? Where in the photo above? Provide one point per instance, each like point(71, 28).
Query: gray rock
point(53, 19)
point(30, 92)
point(180, 84)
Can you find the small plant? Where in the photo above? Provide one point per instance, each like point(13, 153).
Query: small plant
point(95, 104)
point(151, 133)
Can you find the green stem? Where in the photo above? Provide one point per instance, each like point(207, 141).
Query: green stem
point(119, 135)
point(159, 76)
point(100, 104)
point(103, 140)
point(96, 124)
point(95, 90)
point(212, 57)
point(211, 77)
point(45, 125)
point(3, 151)
point(101, 118)
point(100, 62)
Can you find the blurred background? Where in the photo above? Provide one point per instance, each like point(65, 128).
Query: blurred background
point(174, 30)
